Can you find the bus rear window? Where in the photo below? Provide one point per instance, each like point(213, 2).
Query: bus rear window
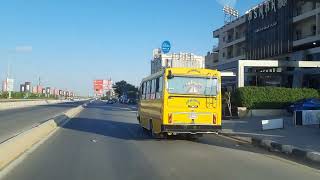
point(193, 85)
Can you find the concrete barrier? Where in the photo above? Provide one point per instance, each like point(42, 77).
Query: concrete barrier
point(14, 147)
point(243, 112)
point(273, 146)
point(29, 103)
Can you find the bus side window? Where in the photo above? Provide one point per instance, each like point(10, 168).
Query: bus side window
point(142, 91)
point(160, 86)
point(150, 89)
point(147, 90)
point(153, 89)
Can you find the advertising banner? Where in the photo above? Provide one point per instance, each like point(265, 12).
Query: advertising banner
point(310, 117)
point(10, 84)
point(102, 86)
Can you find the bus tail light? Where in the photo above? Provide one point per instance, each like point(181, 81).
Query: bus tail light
point(214, 119)
point(170, 118)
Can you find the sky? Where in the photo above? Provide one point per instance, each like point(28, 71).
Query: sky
point(69, 43)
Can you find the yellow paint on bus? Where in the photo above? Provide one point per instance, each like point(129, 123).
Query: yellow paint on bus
point(181, 100)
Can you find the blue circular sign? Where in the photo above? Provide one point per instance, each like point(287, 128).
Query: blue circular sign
point(166, 46)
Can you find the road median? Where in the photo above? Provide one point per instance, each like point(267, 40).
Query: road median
point(15, 146)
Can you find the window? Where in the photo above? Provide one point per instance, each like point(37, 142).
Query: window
point(237, 35)
point(157, 84)
point(158, 87)
point(160, 83)
point(314, 5)
point(142, 91)
point(223, 54)
point(153, 88)
point(298, 10)
point(148, 90)
point(314, 29)
point(224, 39)
point(193, 85)
point(298, 34)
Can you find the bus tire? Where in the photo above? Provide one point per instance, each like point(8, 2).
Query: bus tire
point(156, 135)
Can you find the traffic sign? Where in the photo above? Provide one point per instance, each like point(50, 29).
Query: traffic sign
point(166, 46)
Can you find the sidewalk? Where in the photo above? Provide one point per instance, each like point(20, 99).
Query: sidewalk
point(304, 138)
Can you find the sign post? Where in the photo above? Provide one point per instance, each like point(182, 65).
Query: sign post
point(166, 46)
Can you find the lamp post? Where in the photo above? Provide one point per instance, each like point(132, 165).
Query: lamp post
point(9, 82)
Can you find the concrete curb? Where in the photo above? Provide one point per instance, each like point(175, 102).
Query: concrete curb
point(16, 146)
point(23, 104)
point(274, 146)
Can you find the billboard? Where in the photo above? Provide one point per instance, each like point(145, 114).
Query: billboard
point(100, 87)
point(269, 29)
point(9, 84)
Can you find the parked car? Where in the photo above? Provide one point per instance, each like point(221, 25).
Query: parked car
point(305, 104)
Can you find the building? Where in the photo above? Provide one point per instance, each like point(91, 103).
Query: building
point(7, 85)
point(161, 60)
point(276, 43)
point(22, 88)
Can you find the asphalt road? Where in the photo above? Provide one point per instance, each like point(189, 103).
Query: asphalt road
point(105, 142)
point(14, 121)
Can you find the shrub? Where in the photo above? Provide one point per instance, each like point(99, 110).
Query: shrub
point(270, 97)
point(4, 95)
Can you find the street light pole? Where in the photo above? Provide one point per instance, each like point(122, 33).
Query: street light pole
point(8, 77)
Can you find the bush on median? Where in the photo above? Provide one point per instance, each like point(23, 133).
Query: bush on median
point(22, 95)
point(270, 97)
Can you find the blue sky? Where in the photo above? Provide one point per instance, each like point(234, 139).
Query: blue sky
point(68, 43)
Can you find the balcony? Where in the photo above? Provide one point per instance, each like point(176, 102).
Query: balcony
point(306, 15)
point(235, 42)
point(304, 39)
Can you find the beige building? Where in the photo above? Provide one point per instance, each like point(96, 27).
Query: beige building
point(276, 43)
point(161, 60)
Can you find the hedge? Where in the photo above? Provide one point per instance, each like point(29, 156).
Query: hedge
point(270, 97)
point(20, 95)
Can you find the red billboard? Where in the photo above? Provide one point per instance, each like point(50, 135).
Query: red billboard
point(101, 86)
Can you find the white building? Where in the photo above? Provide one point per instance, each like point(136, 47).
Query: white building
point(161, 60)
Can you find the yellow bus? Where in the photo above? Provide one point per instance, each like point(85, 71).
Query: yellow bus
point(180, 101)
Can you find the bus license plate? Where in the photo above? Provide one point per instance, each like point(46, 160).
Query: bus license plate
point(193, 116)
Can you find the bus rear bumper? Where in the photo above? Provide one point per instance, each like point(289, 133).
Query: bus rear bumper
point(193, 129)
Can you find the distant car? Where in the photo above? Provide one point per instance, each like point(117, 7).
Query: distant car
point(110, 102)
point(305, 104)
point(132, 101)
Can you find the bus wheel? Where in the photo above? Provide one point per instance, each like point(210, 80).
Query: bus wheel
point(155, 135)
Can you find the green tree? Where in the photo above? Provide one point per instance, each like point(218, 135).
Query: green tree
point(124, 88)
